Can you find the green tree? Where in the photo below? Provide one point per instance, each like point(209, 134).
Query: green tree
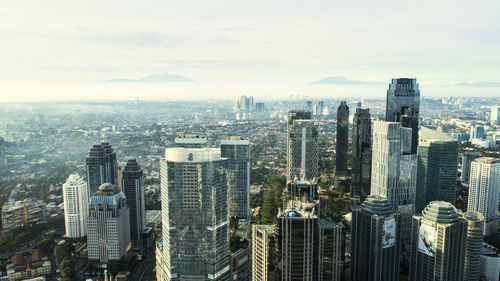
point(268, 207)
point(46, 246)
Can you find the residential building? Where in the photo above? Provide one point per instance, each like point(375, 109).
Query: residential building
point(484, 188)
point(467, 158)
point(237, 150)
point(495, 115)
point(376, 241)
point(76, 206)
point(438, 244)
point(264, 266)
point(403, 106)
point(437, 168)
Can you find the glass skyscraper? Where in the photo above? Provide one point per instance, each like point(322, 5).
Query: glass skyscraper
point(133, 186)
point(101, 166)
point(237, 151)
point(437, 168)
point(361, 153)
point(194, 215)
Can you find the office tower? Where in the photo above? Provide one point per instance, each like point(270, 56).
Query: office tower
point(495, 115)
point(108, 225)
point(484, 186)
point(437, 168)
point(133, 186)
point(302, 147)
point(342, 140)
point(259, 107)
point(112, 165)
point(476, 132)
point(264, 267)
point(321, 107)
point(473, 245)
point(376, 241)
point(309, 248)
point(250, 104)
point(361, 153)
point(101, 167)
point(194, 215)
point(237, 150)
point(394, 170)
point(467, 159)
point(438, 244)
point(76, 206)
point(20, 213)
point(403, 106)
point(309, 104)
point(190, 141)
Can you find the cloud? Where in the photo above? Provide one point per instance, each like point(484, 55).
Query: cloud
point(341, 80)
point(478, 84)
point(154, 78)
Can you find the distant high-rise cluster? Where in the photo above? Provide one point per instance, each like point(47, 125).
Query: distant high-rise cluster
point(246, 109)
point(317, 108)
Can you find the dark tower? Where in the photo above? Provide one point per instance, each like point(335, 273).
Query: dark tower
point(342, 136)
point(361, 153)
point(403, 105)
point(101, 167)
point(111, 169)
point(133, 187)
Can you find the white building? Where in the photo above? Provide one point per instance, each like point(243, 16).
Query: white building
point(76, 209)
point(495, 115)
point(484, 186)
point(394, 170)
point(490, 263)
point(108, 225)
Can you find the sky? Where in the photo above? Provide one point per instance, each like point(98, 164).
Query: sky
point(149, 49)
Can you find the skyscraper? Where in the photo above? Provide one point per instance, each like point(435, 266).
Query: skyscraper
point(476, 132)
point(342, 140)
point(467, 159)
point(483, 191)
point(194, 215)
point(437, 168)
point(495, 115)
point(376, 241)
point(133, 186)
point(403, 106)
point(108, 225)
point(76, 206)
point(190, 140)
point(263, 252)
point(302, 147)
point(101, 167)
point(394, 170)
point(473, 246)
point(361, 153)
point(237, 150)
point(438, 244)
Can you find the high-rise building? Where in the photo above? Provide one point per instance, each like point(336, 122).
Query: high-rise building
point(376, 241)
point(342, 140)
point(133, 186)
point(108, 225)
point(264, 266)
point(437, 168)
point(101, 167)
point(484, 188)
point(394, 170)
point(361, 153)
point(473, 246)
point(259, 107)
point(467, 159)
point(331, 250)
point(76, 206)
point(190, 141)
point(476, 132)
point(194, 215)
point(495, 115)
point(302, 147)
point(438, 244)
point(237, 150)
point(403, 106)
point(309, 105)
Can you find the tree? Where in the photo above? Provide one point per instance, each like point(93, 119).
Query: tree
point(268, 207)
point(46, 245)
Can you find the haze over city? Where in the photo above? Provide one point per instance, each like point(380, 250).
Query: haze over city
point(67, 50)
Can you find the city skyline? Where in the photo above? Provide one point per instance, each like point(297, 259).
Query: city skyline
point(222, 49)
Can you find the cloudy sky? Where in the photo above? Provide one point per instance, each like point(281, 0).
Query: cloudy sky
point(109, 49)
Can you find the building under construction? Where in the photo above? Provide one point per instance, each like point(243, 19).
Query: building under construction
point(20, 213)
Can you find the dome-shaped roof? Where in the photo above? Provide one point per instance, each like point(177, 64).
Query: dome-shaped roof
point(106, 187)
point(440, 212)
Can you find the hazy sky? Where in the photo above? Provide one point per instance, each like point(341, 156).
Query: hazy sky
point(64, 49)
